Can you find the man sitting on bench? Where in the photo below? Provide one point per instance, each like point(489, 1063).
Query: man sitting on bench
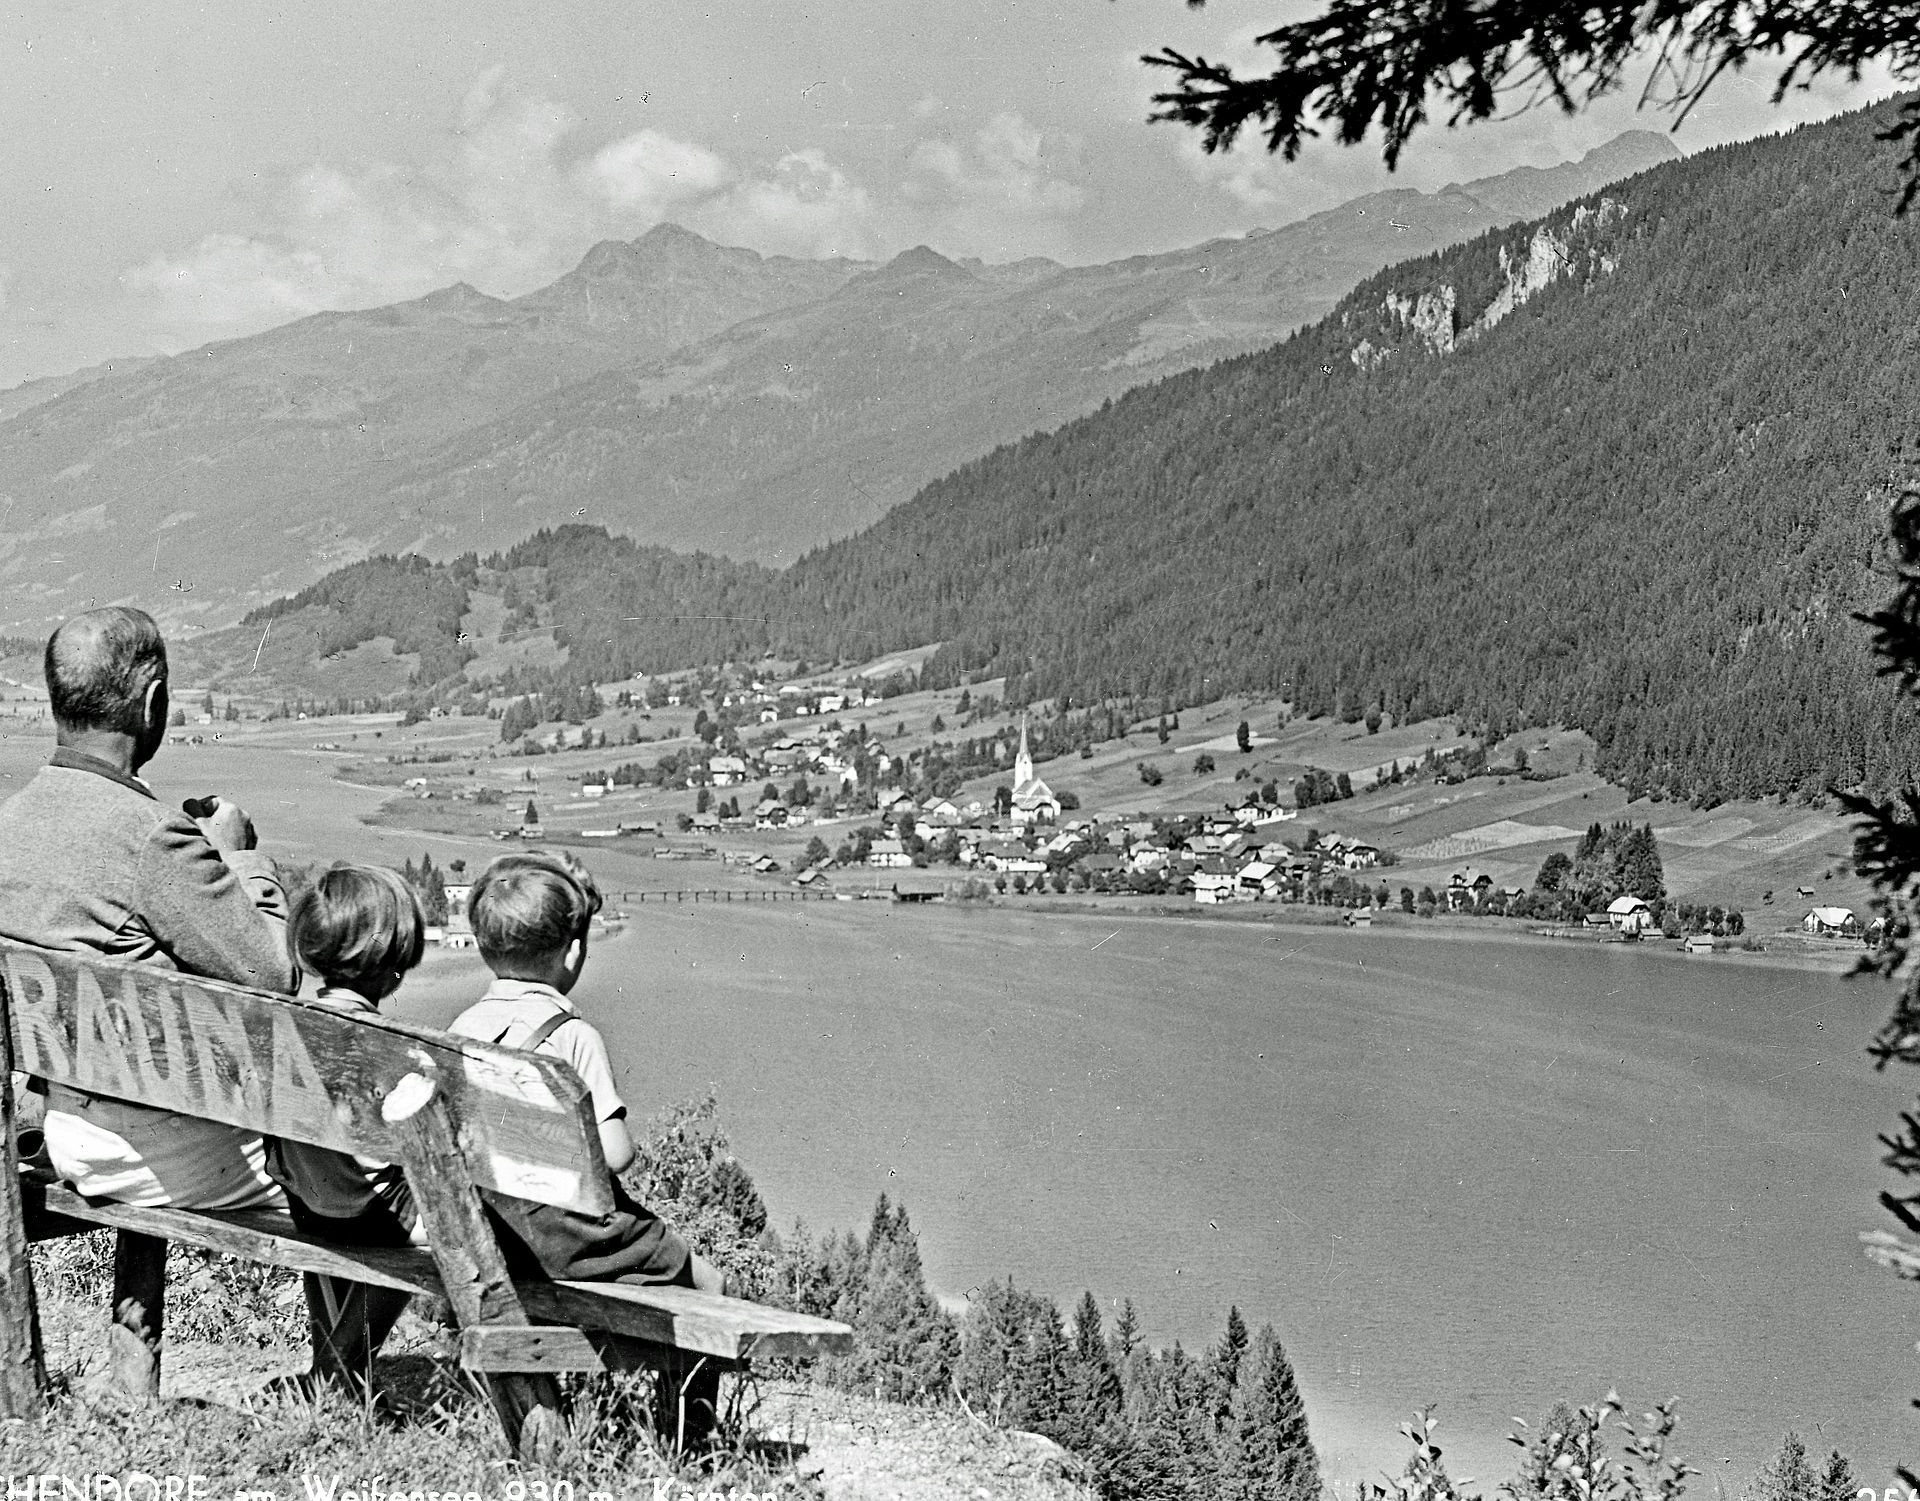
point(92, 863)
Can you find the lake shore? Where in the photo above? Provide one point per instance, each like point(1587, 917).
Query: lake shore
point(1782, 950)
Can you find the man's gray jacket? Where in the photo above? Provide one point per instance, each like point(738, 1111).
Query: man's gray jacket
point(91, 862)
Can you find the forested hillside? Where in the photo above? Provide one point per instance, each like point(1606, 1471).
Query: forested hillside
point(690, 394)
point(1624, 469)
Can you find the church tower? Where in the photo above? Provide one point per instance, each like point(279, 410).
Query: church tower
point(1023, 759)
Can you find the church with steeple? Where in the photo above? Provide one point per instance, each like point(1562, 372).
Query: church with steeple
point(1033, 799)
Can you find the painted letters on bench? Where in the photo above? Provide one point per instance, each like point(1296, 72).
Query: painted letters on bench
point(294, 1069)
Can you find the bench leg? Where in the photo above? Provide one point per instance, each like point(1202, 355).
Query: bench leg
point(23, 1363)
point(139, 1299)
point(530, 1414)
point(349, 1321)
point(686, 1402)
point(473, 1271)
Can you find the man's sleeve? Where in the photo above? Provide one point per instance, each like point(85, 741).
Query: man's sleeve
point(225, 919)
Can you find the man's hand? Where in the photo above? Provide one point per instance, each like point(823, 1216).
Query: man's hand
point(228, 828)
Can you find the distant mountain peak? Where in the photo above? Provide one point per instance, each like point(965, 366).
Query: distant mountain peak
point(1637, 145)
point(460, 298)
point(664, 243)
point(666, 232)
point(919, 266)
point(1529, 192)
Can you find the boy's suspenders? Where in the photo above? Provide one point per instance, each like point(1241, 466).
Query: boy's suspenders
point(542, 1032)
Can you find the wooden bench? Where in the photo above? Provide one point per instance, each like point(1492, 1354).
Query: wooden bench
point(460, 1115)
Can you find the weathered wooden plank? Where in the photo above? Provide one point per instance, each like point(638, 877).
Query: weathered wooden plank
point(556, 1347)
point(261, 1235)
point(471, 1267)
point(730, 1328)
point(681, 1318)
point(23, 1366)
point(295, 1069)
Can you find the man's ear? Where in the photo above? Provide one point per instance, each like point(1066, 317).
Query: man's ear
point(153, 721)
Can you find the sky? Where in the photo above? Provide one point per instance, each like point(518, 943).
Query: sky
point(197, 171)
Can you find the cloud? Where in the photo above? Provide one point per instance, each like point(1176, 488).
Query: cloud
point(652, 173)
point(1006, 185)
point(500, 206)
point(806, 206)
point(511, 199)
point(6, 279)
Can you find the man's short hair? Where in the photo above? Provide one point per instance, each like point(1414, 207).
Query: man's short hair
point(527, 906)
point(359, 926)
point(99, 666)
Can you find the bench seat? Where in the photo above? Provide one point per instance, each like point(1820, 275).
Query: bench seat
point(606, 1317)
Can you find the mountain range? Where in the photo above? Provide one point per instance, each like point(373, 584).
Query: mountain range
point(692, 395)
point(1624, 468)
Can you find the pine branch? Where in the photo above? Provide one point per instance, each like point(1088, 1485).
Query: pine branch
point(1361, 66)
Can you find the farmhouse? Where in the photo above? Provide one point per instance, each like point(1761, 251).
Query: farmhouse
point(888, 854)
point(1629, 914)
point(1831, 922)
point(1210, 888)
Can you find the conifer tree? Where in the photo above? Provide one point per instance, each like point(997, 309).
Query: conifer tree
point(1641, 874)
point(1223, 1368)
point(1837, 1480)
point(1126, 1336)
point(1040, 1375)
point(992, 1349)
point(904, 1343)
point(1269, 1455)
point(1171, 1455)
point(1092, 1398)
point(1789, 1475)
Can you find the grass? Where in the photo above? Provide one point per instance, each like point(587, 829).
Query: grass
point(429, 1427)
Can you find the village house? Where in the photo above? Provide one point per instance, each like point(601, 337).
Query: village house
point(888, 854)
point(1210, 888)
point(1260, 878)
point(727, 771)
point(1629, 914)
point(1831, 922)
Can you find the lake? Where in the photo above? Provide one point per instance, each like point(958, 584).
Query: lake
point(1483, 1172)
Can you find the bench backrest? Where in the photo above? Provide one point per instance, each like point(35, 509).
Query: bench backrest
point(291, 1068)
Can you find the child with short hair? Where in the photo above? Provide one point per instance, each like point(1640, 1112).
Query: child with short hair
point(530, 914)
point(360, 929)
